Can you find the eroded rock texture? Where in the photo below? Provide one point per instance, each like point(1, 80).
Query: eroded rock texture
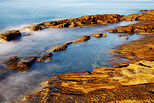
point(91, 20)
point(10, 35)
point(21, 64)
point(105, 84)
point(32, 28)
point(45, 56)
point(141, 28)
point(147, 16)
point(141, 49)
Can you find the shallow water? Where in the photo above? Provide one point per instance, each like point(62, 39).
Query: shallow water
point(16, 14)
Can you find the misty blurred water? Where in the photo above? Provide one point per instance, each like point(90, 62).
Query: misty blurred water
point(15, 14)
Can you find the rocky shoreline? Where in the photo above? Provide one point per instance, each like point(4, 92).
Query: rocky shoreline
point(131, 81)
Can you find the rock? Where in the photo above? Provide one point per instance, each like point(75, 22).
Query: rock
point(63, 25)
point(32, 28)
point(140, 28)
point(104, 84)
point(0, 78)
point(99, 35)
point(22, 64)
point(44, 56)
point(28, 34)
point(82, 39)
point(122, 35)
point(68, 43)
point(58, 48)
point(10, 35)
point(137, 50)
point(72, 24)
point(15, 58)
point(143, 10)
point(101, 22)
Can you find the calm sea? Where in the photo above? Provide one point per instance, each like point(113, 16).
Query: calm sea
point(15, 14)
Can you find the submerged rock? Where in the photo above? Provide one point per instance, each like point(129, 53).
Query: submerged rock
point(21, 64)
point(10, 35)
point(32, 28)
point(104, 84)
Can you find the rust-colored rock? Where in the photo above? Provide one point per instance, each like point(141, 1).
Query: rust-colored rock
point(122, 35)
point(82, 39)
point(142, 49)
point(58, 48)
point(143, 10)
point(104, 84)
point(32, 28)
point(21, 64)
point(15, 58)
point(99, 35)
point(44, 56)
point(147, 16)
point(90, 20)
point(10, 35)
point(141, 28)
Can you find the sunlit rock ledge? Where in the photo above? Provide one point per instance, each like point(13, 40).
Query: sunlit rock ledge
point(104, 84)
point(85, 21)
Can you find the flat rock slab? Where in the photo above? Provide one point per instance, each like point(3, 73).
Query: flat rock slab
point(141, 49)
point(104, 84)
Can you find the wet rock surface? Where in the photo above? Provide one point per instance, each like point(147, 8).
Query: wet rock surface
point(32, 28)
point(99, 35)
point(21, 64)
point(45, 56)
point(104, 84)
point(141, 28)
point(90, 20)
point(10, 35)
point(58, 48)
point(132, 81)
point(82, 39)
point(147, 16)
point(141, 49)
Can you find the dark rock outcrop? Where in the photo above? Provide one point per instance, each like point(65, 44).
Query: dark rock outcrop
point(10, 35)
point(21, 64)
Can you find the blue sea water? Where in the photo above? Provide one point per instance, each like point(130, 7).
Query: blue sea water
point(15, 14)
